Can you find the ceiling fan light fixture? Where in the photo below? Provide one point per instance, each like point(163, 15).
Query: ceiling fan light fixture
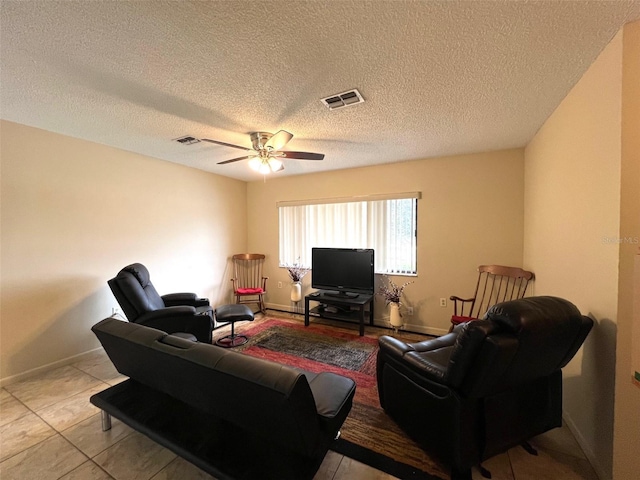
point(255, 163)
point(266, 156)
point(275, 164)
point(265, 165)
point(264, 168)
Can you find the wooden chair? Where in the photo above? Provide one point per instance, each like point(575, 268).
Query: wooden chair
point(495, 284)
point(249, 284)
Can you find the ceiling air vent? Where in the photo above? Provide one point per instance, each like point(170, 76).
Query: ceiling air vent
point(352, 97)
point(187, 140)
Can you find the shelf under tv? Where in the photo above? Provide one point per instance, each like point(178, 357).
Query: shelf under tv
point(349, 308)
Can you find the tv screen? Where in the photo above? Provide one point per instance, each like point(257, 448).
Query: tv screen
point(343, 270)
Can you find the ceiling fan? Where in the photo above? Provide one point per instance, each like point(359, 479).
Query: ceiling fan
point(266, 156)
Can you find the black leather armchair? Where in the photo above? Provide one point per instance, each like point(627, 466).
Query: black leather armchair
point(487, 386)
point(172, 313)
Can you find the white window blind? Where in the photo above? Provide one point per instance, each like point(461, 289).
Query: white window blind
point(386, 223)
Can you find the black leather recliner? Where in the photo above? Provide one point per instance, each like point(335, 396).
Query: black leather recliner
point(172, 313)
point(487, 386)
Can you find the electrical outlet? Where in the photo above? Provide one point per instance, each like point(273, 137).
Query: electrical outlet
point(115, 311)
point(443, 302)
point(410, 311)
point(279, 284)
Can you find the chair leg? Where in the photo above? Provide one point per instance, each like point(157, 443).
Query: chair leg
point(106, 420)
point(261, 304)
point(461, 474)
point(529, 448)
point(232, 340)
point(484, 472)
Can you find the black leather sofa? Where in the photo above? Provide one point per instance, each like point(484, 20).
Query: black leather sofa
point(232, 415)
point(489, 385)
point(171, 313)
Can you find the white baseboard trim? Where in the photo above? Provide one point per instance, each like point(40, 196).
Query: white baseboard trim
point(602, 475)
point(410, 327)
point(414, 327)
point(45, 368)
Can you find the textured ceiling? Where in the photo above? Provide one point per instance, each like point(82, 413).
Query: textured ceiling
point(438, 77)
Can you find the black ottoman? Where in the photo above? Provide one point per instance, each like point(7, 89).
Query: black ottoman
point(232, 314)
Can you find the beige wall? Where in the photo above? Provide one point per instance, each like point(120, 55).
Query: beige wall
point(626, 461)
point(471, 212)
point(75, 212)
point(572, 218)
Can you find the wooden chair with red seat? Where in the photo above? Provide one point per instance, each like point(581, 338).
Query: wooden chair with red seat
point(496, 284)
point(249, 284)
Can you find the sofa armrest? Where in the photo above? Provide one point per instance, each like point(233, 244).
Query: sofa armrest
point(180, 319)
point(168, 312)
point(444, 341)
point(399, 348)
point(331, 393)
point(429, 359)
point(191, 299)
point(393, 346)
point(469, 339)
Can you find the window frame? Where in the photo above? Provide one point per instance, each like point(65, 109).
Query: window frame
point(371, 237)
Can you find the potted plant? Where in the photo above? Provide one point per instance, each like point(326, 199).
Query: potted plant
point(392, 293)
point(296, 273)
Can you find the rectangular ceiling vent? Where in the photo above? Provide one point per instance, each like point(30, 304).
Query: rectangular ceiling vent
point(344, 99)
point(187, 140)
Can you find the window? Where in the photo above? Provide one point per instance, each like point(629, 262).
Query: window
point(386, 223)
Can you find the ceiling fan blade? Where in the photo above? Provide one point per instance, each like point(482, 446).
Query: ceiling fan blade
point(279, 140)
point(303, 155)
point(235, 159)
point(224, 144)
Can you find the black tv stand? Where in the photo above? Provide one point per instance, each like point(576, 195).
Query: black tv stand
point(353, 307)
point(330, 293)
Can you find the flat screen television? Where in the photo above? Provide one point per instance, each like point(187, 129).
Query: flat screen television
point(342, 271)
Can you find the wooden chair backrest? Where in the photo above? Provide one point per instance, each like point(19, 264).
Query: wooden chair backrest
point(496, 284)
point(247, 269)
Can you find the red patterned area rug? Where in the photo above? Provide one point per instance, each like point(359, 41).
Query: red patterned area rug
point(368, 434)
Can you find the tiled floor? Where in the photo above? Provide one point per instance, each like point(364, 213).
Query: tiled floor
point(49, 430)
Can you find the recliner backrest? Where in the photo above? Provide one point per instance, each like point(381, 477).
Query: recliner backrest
point(134, 291)
point(517, 341)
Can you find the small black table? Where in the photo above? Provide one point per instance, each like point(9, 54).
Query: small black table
point(344, 305)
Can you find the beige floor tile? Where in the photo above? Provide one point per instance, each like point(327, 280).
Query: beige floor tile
point(51, 387)
point(136, 457)
point(116, 380)
point(10, 408)
point(91, 440)
point(350, 469)
point(48, 460)
point(180, 469)
point(329, 466)
point(96, 357)
point(98, 365)
point(499, 466)
point(21, 434)
point(549, 465)
point(559, 439)
point(88, 471)
point(72, 410)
